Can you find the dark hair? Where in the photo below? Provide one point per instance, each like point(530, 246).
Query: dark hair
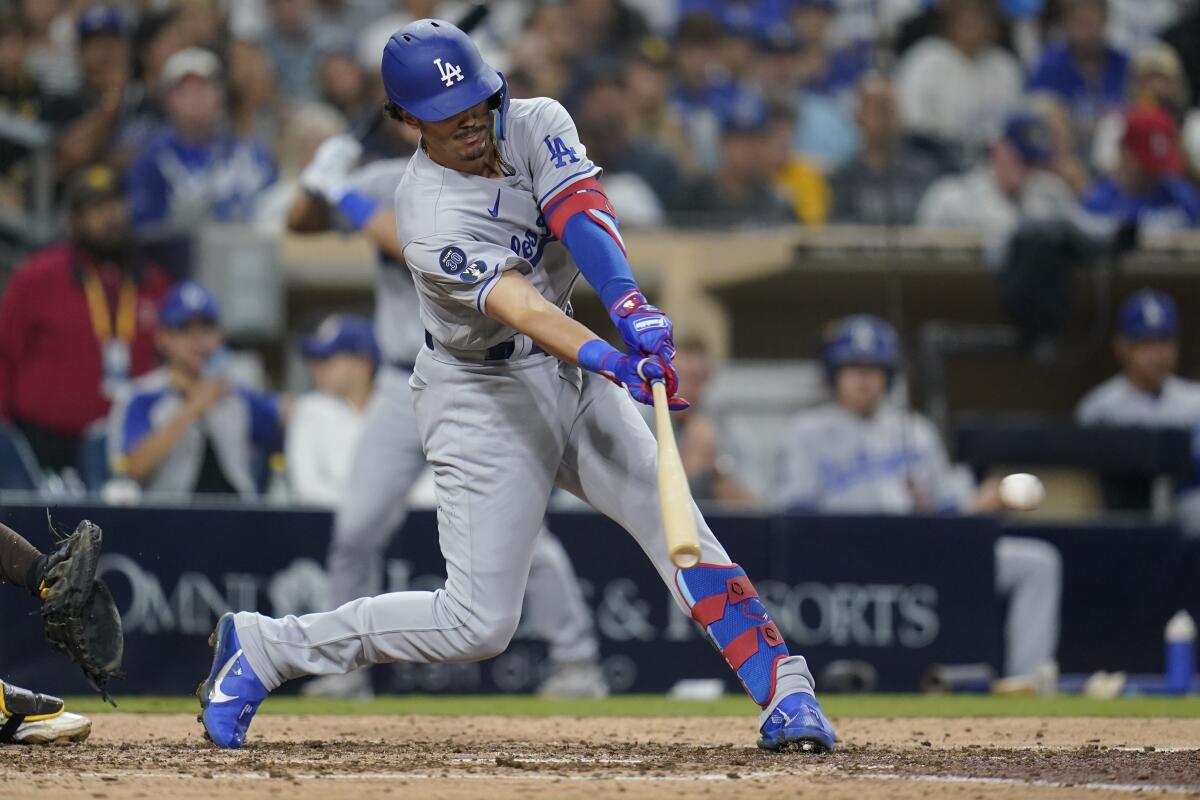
point(148, 29)
point(394, 111)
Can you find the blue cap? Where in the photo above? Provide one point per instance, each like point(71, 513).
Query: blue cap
point(102, 19)
point(342, 334)
point(185, 302)
point(1030, 137)
point(1148, 315)
point(746, 113)
point(433, 70)
point(861, 339)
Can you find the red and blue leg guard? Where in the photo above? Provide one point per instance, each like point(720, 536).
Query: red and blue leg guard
point(725, 603)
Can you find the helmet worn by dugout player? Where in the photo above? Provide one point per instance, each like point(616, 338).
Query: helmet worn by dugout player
point(860, 339)
point(433, 70)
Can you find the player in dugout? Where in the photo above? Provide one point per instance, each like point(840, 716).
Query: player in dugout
point(859, 454)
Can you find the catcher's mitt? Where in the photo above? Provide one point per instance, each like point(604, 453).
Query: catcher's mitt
point(82, 621)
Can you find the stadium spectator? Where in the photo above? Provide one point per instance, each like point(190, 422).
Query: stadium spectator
point(1157, 80)
point(545, 50)
point(1064, 160)
point(293, 45)
point(956, 89)
point(1147, 189)
point(614, 29)
point(796, 178)
point(826, 67)
point(1083, 69)
point(859, 454)
point(49, 42)
point(22, 97)
point(1182, 36)
point(77, 321)
point(1134, 24)
point(346, 86)
point(607, 127)
point(203, 24)
point(884, 183)
point(648, 89)
point(104, 111)
point(702, 91)
point(194, 171)
point(1015, 185)
point(326, 423)
point(253, 102)
point(709, 466)
point(1147, 392)
point(740, 192)
point(186, 428)
point(305, 127)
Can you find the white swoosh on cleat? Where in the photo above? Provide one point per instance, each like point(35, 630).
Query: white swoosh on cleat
point(217, 696)
point(786, 719)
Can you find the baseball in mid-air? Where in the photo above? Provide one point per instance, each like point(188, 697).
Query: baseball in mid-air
point(1022, 491)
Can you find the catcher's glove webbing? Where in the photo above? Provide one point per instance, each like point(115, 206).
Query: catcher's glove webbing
point(82, 621)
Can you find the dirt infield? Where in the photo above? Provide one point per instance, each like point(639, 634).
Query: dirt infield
point(302, 757)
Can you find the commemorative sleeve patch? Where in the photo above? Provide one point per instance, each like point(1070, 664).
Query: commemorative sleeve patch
point(474, 271)
point(452, 260)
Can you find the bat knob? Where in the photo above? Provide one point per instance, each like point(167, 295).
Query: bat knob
point(642, 374)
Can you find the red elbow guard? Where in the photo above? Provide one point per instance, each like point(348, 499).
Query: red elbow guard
point(583, 195)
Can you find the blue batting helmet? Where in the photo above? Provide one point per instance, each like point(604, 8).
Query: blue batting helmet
point(861, 339)
point(433, 71)
point(1148, 315)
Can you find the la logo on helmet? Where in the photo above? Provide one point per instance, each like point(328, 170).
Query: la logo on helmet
point(450, 73)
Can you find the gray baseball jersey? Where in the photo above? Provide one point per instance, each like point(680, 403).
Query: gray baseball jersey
point(461, 231)
point(500, 433)
point(397, 317)
point(832, 460)
point(835, 461)
point(1119, 402)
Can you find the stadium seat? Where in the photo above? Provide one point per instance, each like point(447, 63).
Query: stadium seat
point(18, 466)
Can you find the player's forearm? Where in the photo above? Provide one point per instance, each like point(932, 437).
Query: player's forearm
point(154, 449)
point(514, 302)
point(381, 230)
point(308, 214)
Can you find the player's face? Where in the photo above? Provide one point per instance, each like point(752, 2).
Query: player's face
point(188, 348)
point(1148, 364)
point(341, 375)
point(461, 139)
point(860, 388)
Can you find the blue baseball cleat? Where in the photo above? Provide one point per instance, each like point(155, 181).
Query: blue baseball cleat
point(231, 695)
point(798, 723)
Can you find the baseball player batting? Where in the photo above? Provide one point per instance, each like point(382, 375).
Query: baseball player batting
point(498, 212)
point(388, 458)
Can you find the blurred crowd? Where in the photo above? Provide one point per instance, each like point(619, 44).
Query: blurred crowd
point(998, 116)
point(945, 113)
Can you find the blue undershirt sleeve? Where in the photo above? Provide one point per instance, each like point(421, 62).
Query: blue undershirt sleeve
point(599, 257)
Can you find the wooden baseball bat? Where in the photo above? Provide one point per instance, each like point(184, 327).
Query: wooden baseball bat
point(674, 496)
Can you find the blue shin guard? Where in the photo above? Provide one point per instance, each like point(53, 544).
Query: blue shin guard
point(724, 602)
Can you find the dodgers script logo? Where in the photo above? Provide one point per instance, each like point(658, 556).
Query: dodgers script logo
point(450, 73)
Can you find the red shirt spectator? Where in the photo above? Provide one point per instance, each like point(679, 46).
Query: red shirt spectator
point(77, 320)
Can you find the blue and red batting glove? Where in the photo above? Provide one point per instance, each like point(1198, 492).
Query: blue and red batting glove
point(635, 373)
point(645, 328)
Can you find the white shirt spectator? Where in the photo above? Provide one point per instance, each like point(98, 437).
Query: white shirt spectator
point(945, 95)
point(321, 439)
point(974, 201)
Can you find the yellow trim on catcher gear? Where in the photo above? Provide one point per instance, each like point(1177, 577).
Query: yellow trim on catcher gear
point(43, 590)
point(4, 710)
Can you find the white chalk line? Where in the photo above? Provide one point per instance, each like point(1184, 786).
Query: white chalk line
point(703, 777)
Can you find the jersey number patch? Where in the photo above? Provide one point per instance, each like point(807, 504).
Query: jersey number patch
point(450, 73)
point(560, 152)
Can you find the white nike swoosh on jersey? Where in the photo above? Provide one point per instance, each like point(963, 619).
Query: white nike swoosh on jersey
point(218, 696)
